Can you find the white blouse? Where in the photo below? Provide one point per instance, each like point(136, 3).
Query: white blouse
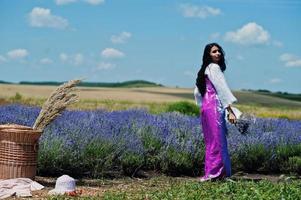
point(217, 78)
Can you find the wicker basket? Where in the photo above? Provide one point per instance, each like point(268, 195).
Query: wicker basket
point(18, 151)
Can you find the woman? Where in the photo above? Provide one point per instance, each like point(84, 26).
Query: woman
point(215, 98)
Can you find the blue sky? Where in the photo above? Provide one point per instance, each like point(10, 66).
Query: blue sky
point(158, 40)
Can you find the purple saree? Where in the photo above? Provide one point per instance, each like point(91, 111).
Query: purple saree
point(217, 161)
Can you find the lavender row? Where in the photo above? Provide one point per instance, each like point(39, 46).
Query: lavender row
point(126, 131)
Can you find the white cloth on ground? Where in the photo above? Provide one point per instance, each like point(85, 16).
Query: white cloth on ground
point(21, 187)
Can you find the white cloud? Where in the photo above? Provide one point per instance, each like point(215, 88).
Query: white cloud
point(290, 60)
point(64, 2)
point(121, 38)
point(194, 11)
point(95, 2)
point(249, 34)
point(287, 57)
point(76, 59)
point(42, 17)
point(46, 61)
point(275, 80)
point(63, 57)
point(17, 53)
point(2, 59)
point(91, 2)
point(112, 53)
point(105, 66)
point(214, 36)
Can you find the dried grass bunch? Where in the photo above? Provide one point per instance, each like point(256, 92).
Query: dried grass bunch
point(56, 103)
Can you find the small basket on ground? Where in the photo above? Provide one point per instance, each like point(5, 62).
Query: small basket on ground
point(18, 151)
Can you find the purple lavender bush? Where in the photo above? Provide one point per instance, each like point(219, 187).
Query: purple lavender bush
point(268, 145)
point(100, 143)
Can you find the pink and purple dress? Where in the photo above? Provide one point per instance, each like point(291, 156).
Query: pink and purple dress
point(218, 96)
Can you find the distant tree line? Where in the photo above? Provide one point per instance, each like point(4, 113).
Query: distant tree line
point(285, 95)
point(134, 83)
point(4, 82)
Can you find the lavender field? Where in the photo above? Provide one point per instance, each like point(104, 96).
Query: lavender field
point(100, 143)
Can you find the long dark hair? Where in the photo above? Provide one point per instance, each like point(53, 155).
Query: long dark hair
point(200, 81)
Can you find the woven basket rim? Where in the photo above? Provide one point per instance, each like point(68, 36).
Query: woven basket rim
point(15, 126)
point(16, 132)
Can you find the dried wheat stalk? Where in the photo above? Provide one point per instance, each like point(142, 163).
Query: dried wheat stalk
point(56, 103)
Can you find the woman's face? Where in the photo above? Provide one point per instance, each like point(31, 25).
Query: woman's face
point(215, 54)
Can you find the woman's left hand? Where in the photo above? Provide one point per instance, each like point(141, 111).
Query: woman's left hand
point(231, 118)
